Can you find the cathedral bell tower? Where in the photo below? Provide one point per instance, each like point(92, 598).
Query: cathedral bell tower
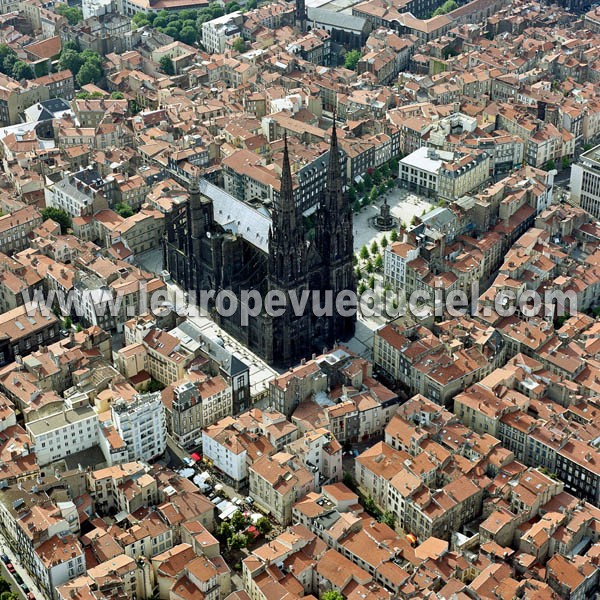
point(334, 239)
point(300, 15)
point(287, 266)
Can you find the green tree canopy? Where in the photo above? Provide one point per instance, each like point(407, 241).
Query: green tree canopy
point(70, 59)
point(238, 521)
point(166, 65)
point(71, 13)
point(60, 216)
point(124, 209)
point(237, 540)
point(21, 70)
point(394, 236)
point(89, 95)
point(351, 60)
point(239, 45)
point(445, 8)
point(264, 525)
point(188, 35)
point(89, 73)
point(332, 595)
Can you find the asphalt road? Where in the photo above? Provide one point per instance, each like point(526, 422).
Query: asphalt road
point(6, 549)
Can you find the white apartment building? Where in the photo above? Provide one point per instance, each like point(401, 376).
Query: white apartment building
point(226, 453)
point(70, 197)
point(56, 436)
point(142, 426)
point(395, 257)
point(585, 182)
point(97, 8)
point(215, 33)
point(418, 170)
point(58, 560)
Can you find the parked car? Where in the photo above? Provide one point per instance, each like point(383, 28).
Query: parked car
point(216, 499)
point(24, 588)
point(5, 559)
point(30, 596)
point(18, 579)
point(10, 568)
point(188, 461)
point(249, 499)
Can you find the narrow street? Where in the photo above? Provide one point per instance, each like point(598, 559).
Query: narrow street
point(33, 587)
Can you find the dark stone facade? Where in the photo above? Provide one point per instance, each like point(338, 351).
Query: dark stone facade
point(200, 254)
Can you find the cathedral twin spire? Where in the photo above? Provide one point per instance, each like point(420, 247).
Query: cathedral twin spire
point(287, 235)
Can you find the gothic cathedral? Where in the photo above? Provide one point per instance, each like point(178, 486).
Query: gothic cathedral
point(203, 252)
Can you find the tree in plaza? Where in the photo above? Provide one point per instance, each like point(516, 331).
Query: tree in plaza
point(379, 262)
point(238, 521)
point(369, 267)
point(237, 540)
point(394, 236)
point(364, 253)
point(264, 525)
point(374, 247)
point(371, 282)
point(384, 242)
point(225, 531)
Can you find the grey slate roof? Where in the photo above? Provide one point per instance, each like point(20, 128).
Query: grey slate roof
point(337, 20)
point(237, 217)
